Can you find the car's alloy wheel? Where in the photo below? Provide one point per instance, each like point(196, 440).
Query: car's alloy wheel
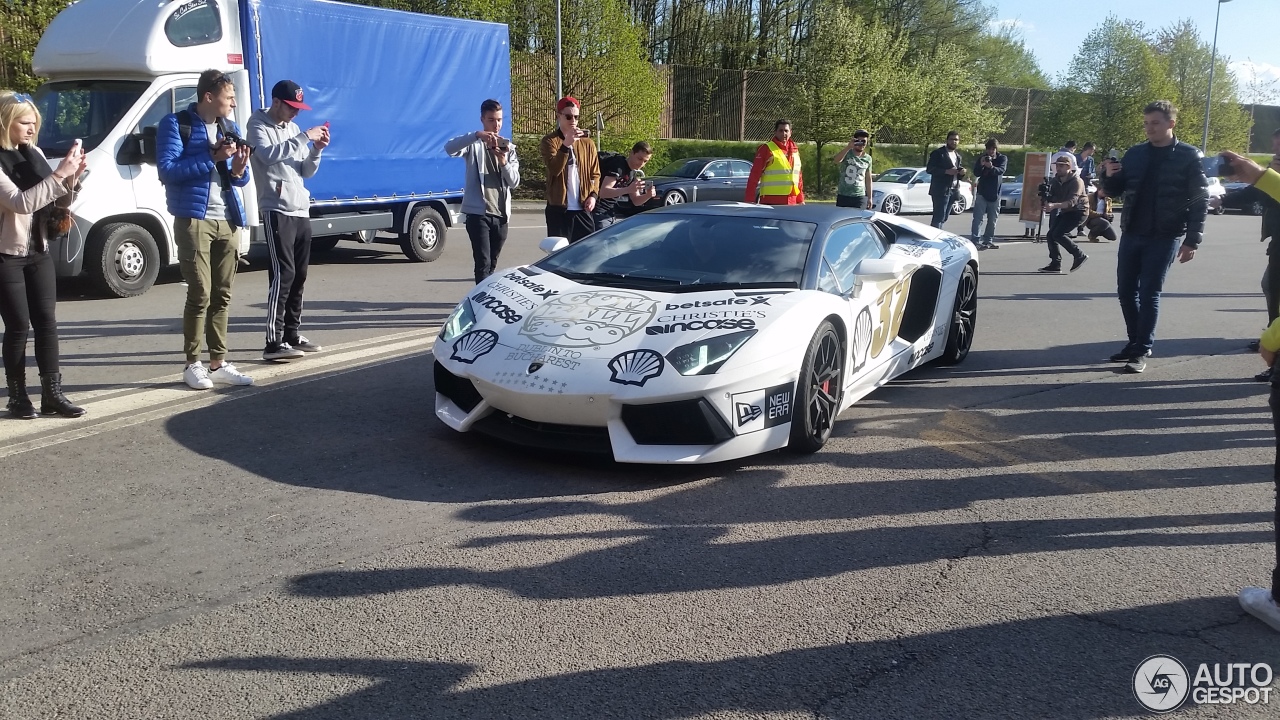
point(818, 391)
point(673, 197)
point(964, 318)
point(891, 205)
point(958, 206)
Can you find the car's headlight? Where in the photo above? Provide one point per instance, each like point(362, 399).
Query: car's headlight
point(460, 321)
point(704, 357)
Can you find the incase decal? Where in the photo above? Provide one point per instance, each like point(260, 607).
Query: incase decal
point(468, 348)
point(761, 409)
point(713, 324)
point(636, 367)
point(495, 305)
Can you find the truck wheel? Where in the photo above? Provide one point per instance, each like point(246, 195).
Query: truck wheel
point(324, 244)
point(425, 240)
point(122, 259)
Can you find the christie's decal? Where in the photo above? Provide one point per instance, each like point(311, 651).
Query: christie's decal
point(511, 294)
point(761, 409)
point(589, 319)
point(636, 367)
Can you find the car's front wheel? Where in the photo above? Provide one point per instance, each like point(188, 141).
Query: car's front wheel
point(959, 205)
point(818, 391)
point(964, 318)
point(673, 197)
point(891, 205)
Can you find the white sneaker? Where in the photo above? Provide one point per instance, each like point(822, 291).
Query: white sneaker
point(227, 374)
point(196, 376)
point(1258, 602)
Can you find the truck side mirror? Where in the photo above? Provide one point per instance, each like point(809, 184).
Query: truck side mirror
point(130, 152)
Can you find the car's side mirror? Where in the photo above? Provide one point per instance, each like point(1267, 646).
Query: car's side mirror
point(708, 175)
point(876, 269)
point(553, 244)
point(138, 148)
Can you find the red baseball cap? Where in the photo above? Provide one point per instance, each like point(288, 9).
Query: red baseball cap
point(566, 101)
point(290, 93)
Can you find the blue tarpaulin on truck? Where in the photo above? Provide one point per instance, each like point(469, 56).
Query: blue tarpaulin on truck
point(394, 86)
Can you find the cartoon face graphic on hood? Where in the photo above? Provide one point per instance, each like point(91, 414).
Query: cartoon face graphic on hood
point(589, 319)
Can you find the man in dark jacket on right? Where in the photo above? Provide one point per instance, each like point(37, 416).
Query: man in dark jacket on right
point(1166, 199)
point(946, 170)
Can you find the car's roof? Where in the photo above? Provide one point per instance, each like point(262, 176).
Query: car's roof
point(707, 158)
point(820, 213)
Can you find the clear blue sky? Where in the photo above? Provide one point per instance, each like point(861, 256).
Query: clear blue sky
point(1054, 30)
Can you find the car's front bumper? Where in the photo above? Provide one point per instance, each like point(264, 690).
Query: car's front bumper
point(700, 426)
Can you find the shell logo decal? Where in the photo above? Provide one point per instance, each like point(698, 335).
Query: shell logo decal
point(470, 347)
point(636, 367)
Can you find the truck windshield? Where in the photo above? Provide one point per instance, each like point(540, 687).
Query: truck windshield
point(85, 109)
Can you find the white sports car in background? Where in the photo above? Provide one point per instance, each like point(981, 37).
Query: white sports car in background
point(704, 332)
point(906, 190)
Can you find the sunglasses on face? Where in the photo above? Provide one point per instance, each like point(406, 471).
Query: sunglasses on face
point(568, 116)
point(23, 98)
point(860, 141)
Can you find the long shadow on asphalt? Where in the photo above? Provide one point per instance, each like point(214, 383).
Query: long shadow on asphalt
point(1079, 666)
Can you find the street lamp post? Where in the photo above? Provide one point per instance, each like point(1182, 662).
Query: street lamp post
point(1213, 60)
point(560, 66)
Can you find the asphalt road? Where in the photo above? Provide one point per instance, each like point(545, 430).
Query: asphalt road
point(1009, 538)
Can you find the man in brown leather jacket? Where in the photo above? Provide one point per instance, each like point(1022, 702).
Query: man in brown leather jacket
point(573, 175)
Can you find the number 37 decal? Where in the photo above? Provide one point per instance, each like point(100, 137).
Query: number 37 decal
point(889, 306)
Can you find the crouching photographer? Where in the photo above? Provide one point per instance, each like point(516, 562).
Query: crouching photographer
point(1066, 201)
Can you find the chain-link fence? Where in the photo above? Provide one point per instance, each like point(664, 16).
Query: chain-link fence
point(715, 104)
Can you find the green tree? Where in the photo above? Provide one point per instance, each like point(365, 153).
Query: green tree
point(850, 77)
point(1002, 59)
point(1112, 77)
point(1187, 58)
point(21, 24)
point(940, 95)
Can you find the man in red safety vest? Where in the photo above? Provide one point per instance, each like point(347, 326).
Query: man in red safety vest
point(775, 173)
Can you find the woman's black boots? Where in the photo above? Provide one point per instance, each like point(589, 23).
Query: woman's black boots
point(19, 402)
point(52, 401)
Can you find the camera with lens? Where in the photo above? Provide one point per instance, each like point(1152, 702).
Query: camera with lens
point(1045, 189)
point(232, 138)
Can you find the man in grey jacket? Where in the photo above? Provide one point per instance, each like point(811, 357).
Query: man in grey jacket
point(493, 171)
point(281, 159)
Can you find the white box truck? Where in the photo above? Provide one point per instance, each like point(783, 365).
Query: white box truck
point(393, 86)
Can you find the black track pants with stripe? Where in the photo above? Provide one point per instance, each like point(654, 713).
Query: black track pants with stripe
point(289, 244)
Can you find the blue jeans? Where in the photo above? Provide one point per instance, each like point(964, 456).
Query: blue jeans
point(1141, 267)
point(990, 209)
point(941, 208)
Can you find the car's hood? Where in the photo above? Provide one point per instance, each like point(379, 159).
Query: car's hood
point(526, 318)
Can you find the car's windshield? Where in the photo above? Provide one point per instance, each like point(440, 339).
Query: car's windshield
point(675, 252)
point(683, 168)
point(85, 109)
point(896, 175)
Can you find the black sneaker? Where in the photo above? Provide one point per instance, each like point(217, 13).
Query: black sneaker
point(992, 246)
point(280, 351)
point(1254, 345)
point(1051, 269)
point(1078, 262)
point(1264, 376)
point(1130, 352)
point(1135, 365)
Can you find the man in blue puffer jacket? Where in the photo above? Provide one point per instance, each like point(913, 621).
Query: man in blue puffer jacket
point(1166, 199)
point(202, 166)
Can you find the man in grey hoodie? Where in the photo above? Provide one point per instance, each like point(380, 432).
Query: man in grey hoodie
point(493, 171)
point(281, 159)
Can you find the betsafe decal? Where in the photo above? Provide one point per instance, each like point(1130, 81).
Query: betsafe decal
point(589, 319)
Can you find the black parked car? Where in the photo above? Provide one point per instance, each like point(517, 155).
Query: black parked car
point(700, 178)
